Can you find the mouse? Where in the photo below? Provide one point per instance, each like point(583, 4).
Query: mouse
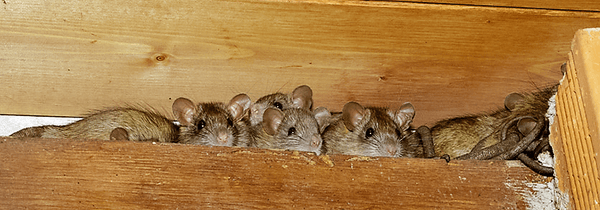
point(212, 123)
point(139, 125)
point(301, 97)
point(292, 129)
point(373, 131)
point(459, 136)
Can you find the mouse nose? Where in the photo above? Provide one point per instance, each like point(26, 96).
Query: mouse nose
point(391, 150)
point(222, 138)
point(315, 142)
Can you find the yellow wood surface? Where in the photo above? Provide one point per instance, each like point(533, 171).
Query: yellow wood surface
point(66, 58)
point(576, 107)
point(586, 59)
point(74, 174)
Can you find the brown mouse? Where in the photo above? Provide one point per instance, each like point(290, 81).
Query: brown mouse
point(460, 136)
point(301, 97)
point(373, 131)
point(293, 129)
point(140, 125)
point(214, 124)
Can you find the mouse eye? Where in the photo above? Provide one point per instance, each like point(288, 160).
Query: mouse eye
point(229, 122)
point(278, 105)
point(291, 131)
point(201, 124)
point(370, 133)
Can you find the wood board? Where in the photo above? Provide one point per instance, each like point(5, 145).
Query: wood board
point(74, 174)
point(575, 130)
point(67, 58)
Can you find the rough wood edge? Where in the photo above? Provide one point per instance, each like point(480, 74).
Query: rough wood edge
point(133, 174)
point(564, 194)
point(586, 53)
point(574, 134)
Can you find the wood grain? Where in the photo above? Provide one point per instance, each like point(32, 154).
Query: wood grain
point(72, 174)
point(586, 56)
point(66, 58)
point(577, 132)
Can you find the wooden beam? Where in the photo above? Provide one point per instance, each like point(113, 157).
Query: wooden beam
point(575, 137)
point(73, 174)
point(67, 58)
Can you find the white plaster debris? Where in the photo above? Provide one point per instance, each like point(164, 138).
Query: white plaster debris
point(12, 123)
point(551, 109)
point(538, 196)
point(546, 159)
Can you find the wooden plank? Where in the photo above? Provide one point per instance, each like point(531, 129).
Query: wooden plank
point(72, 174)
point(564, 195)
point(586, 56)
point(576, 115)
point(64, 59)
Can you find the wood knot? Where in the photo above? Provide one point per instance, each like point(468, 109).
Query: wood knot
point(159, 59)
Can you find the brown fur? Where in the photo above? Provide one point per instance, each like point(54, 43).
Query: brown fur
point(140, 126)
point(458, 136)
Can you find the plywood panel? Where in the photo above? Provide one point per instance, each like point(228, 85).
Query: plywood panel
point(73, 174)
point(66, 58)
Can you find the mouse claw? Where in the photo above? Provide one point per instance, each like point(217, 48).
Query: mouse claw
point(445, 157)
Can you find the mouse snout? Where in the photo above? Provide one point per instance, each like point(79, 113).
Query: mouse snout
point(315, 142)
point(391, 150)
point(222, 137)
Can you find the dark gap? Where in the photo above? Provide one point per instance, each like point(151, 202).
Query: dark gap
point(492, 6)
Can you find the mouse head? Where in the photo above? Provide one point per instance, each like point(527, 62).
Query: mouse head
point(301, 97)
point(534, 104)
point(294, 129)
point(381, 131)
point(214, 124)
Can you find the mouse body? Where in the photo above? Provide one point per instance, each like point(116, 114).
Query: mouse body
point(141, 125)
point(211, 123)
point(458, 136)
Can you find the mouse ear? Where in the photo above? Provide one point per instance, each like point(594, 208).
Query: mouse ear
point(352, 114)
point(512, 100)
point(238, 105)
point(404, 115)
point(526, 125)
point(302, 97)
point(271, 120)
point(322, 116)
point(119, 134)
point(184, 111)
